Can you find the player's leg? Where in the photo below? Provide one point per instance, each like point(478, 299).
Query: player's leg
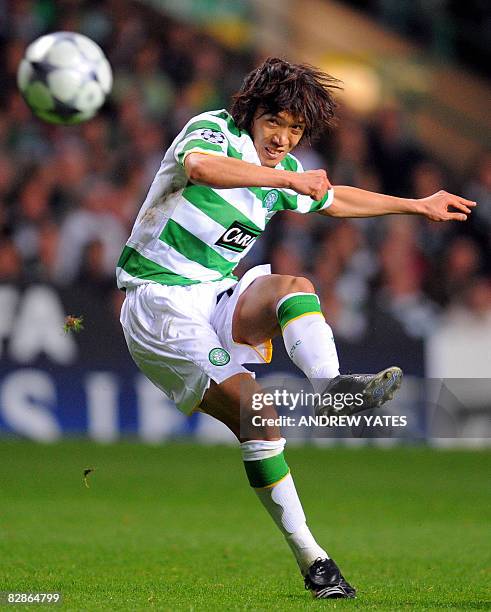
point(231, 403)
point(288, 305)
point(269, 475)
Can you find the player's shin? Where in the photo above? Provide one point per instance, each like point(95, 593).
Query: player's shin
point(269, 475)
point(308, 338)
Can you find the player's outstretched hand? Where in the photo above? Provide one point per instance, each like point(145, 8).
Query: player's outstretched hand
point(313, 183)
point(444, 206)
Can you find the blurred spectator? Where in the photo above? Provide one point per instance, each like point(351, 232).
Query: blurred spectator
point(31, 209)
point(309, 158)
point(343, 270)
point(478, 297)
point(72, 168)
point(286, 260)
point(459, 266)
point(296, 234)
point(427, 178)
point(479, 189)
point(93, 267)
point(7, 176)
point(48, 239)
point(10, 260)
point(393, 152)
point(149, 146)
point(154, 84)
point(460, 347)
point(352, 152)
point(97, 138)
point(401, 280)
point(25, 21)
point(91, 222)
point(178, 56)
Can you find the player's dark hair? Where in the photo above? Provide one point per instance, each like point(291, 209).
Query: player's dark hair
point(301, 89)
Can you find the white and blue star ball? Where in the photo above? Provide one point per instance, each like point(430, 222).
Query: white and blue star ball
point(64, 77)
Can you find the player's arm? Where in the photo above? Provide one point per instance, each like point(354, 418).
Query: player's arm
point(227, 172)
point(353, 202)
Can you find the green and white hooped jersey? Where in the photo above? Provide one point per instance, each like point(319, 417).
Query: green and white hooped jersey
point(187, 233)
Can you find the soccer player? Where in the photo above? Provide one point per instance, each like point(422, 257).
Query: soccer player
point(190, 325)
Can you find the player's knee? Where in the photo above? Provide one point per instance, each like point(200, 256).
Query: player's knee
point(294, 284)
point(303, 285)
point(258, 423)
point(284, 285)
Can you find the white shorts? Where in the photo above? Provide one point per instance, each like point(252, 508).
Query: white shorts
point(181, 339)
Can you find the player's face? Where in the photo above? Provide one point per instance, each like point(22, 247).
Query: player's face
point(275, 135)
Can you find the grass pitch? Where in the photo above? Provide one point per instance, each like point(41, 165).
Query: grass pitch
point(176, 527)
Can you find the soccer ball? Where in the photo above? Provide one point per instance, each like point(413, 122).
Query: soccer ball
point(64, 77)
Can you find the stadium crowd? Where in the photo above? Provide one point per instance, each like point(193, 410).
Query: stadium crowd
point(69, 195)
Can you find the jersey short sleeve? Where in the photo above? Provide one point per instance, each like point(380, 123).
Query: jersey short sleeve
point(201, 136)
point(291, 200)
point(326, 201)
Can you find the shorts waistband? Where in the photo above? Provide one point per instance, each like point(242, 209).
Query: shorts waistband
point(227, 292)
